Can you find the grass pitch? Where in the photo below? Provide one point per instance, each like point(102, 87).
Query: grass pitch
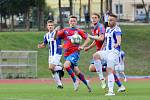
point(136, 90)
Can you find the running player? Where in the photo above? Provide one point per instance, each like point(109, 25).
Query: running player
point(111, 52)
point(72, 52)
point(98, 36)
point(55, 53)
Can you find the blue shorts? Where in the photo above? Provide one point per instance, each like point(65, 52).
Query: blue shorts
point(73, 58)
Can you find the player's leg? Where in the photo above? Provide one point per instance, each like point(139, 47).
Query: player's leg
point(112, 60)
point(55, 75)
point(59, 70)
point(67, 65)
point(98, 66)
point(122, 73)
point(92, 68)
point(82, 78)
point(53, 61)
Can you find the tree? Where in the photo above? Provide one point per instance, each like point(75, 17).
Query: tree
point(146, 11)
point(101, 7)
point(40, 4)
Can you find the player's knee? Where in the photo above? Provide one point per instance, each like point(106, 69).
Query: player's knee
point(51, 67)
point(109, 70)
point(67, 64)
point(96, 56)
point(92, 69)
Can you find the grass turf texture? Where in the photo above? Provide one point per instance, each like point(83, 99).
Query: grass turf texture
point(136, 90)
point(135, 43)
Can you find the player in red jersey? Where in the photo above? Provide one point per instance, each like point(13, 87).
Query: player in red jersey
point(72, 52)
point(98, 34)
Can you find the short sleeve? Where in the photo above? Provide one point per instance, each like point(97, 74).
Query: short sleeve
point(118, 31)
point(45, 40)
point(61, 33)
point(82, 34)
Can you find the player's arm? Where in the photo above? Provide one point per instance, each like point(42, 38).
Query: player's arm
point(85, 43)
point(90, 46)
point(97, 37)
point(42, 45)
point(56, 30)
point(118, 37)
point(84, 36)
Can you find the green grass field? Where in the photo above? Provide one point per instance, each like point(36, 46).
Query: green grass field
point(136, 90)
point(135, 43)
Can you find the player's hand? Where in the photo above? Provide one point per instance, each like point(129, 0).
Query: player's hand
point(80, 48)
point(39, 46)
point(57, 28)
point(86, 48)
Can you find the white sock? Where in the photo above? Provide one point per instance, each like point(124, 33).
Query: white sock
point(57, 79)
point(57, 68)
point(111, 81)
point(98, 66)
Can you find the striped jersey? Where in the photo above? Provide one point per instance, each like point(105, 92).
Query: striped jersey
point(98, 30)
point(110, 37)
point(53, 44)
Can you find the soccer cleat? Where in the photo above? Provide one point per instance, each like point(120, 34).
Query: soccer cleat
point(110, 94)
point(76, 85)
point(89, 86)
point(60, 87)
point(122, 89)
point(103, 84)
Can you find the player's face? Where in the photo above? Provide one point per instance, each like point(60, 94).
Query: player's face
point(95, 19)
point(50, 26)
point(72, 22)
point(112, 21)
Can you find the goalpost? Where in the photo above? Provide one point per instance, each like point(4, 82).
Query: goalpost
point(18, 64)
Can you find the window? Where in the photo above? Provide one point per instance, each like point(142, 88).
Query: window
point(119, 9)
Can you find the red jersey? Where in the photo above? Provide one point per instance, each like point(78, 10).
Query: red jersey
point(97, 30)
point(67, 34)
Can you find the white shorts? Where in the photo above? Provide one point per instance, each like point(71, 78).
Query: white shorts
point(54, 59)
point(111, 57)
point(119, 67)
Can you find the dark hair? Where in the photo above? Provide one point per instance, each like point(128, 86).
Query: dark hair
point(50, 21)
point(113, 15)
point(73, 17)
point(96, 15)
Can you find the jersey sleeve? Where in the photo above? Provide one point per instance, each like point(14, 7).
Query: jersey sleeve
point(61, 33)
point(83, 34)
point(118, 31)
point(45, 40)
point(101, 29)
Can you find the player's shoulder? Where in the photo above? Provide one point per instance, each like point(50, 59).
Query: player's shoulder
point(46, 34)
point(117, 28)
point(80, 30)
point(107, 29)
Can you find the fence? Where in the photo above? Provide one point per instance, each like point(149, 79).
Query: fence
point(18, 64)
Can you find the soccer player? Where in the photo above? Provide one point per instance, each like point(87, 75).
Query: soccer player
point(72, 52)
point(111, 52)
point(98, 35)
point(120, 67)
point(55, 53)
